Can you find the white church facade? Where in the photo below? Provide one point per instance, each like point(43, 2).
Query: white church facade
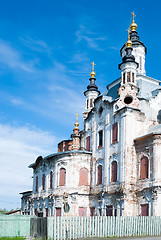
point(113, 166)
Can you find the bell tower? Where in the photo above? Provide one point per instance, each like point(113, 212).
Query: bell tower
point(128, 89)
point(139, 49)
point(91, 93)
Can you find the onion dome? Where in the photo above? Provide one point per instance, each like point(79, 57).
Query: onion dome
point(128, 43)
point(92, 86)
point(128, 57)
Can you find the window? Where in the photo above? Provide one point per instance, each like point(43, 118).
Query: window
point(99, 175)
point(100, 111)
point(47, 212)
point(83, 177)
point(58, 212)
point(35, 211)
point(100, 138)
point(91, 102)
point(128, 76)
point(43, 182)
point(51, 179)
point(100, 211)
point(115, 132)
point(36, 184)
point(114, 172)
point(88, 143)
point(62, 177)
point(87, 103)
point(133, 77)
point(124, 78)
point(109, 210)
point(144, 168)
point(145, 210)
point(82, 212)
point(92, 210)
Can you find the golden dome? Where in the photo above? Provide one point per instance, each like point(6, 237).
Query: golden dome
point(133, 26)
point(92, 74)
point(76, 125)
point(128, 43)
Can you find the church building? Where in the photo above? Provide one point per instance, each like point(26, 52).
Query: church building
point(113, 166)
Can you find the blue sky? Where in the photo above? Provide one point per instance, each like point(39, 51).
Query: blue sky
point(46, 50)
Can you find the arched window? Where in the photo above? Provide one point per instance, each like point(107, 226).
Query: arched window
point(115, 132)
point(99, 175)
point(88, 143)
point(83, 176)
point(114, 171)
point(62, 177)
point(144, 167)
point(36, 189)
point(51, 179)
point(100, 138)
point(43, 182)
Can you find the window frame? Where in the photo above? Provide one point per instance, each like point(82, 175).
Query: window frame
point(109, 208)
point(100, 138)
point(115, 131)
point(144, 174)
point(37, 184)
point(87, 172)
point(114, 178)
point(88, 144)
point(145, 205)
point(98, 177)
point(91, 103)
point(64, 182)
point(128, 77)
point(43, 182)
point(51, 179)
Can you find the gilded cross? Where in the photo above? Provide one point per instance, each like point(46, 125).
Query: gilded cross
point(128, 34)
point(133, 15)
point(77, 117)
point(93, 65)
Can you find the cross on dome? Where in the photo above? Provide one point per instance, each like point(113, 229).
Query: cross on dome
point(133, 15)
point(76, 124)
point(93, 73)
point(77, 117)
point(133, 26)
point(93, 65)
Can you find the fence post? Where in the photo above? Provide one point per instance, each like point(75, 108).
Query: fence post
point(50, 229)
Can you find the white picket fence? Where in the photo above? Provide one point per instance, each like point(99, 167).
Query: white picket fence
point(82, 227)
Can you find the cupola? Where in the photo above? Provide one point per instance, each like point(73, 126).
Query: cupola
point(91, 93)
point(76, 135)
point(128, 66)
point(139, 49)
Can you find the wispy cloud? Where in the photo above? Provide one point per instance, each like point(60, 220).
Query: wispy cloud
point(114, 48)
point(20, 146)
point(13, 59)
point(79, 57)
point(16, 101)
point(83, 34)
point(36, 45)
point(60, 89)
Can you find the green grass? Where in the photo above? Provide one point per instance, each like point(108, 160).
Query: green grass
point(12, 238)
